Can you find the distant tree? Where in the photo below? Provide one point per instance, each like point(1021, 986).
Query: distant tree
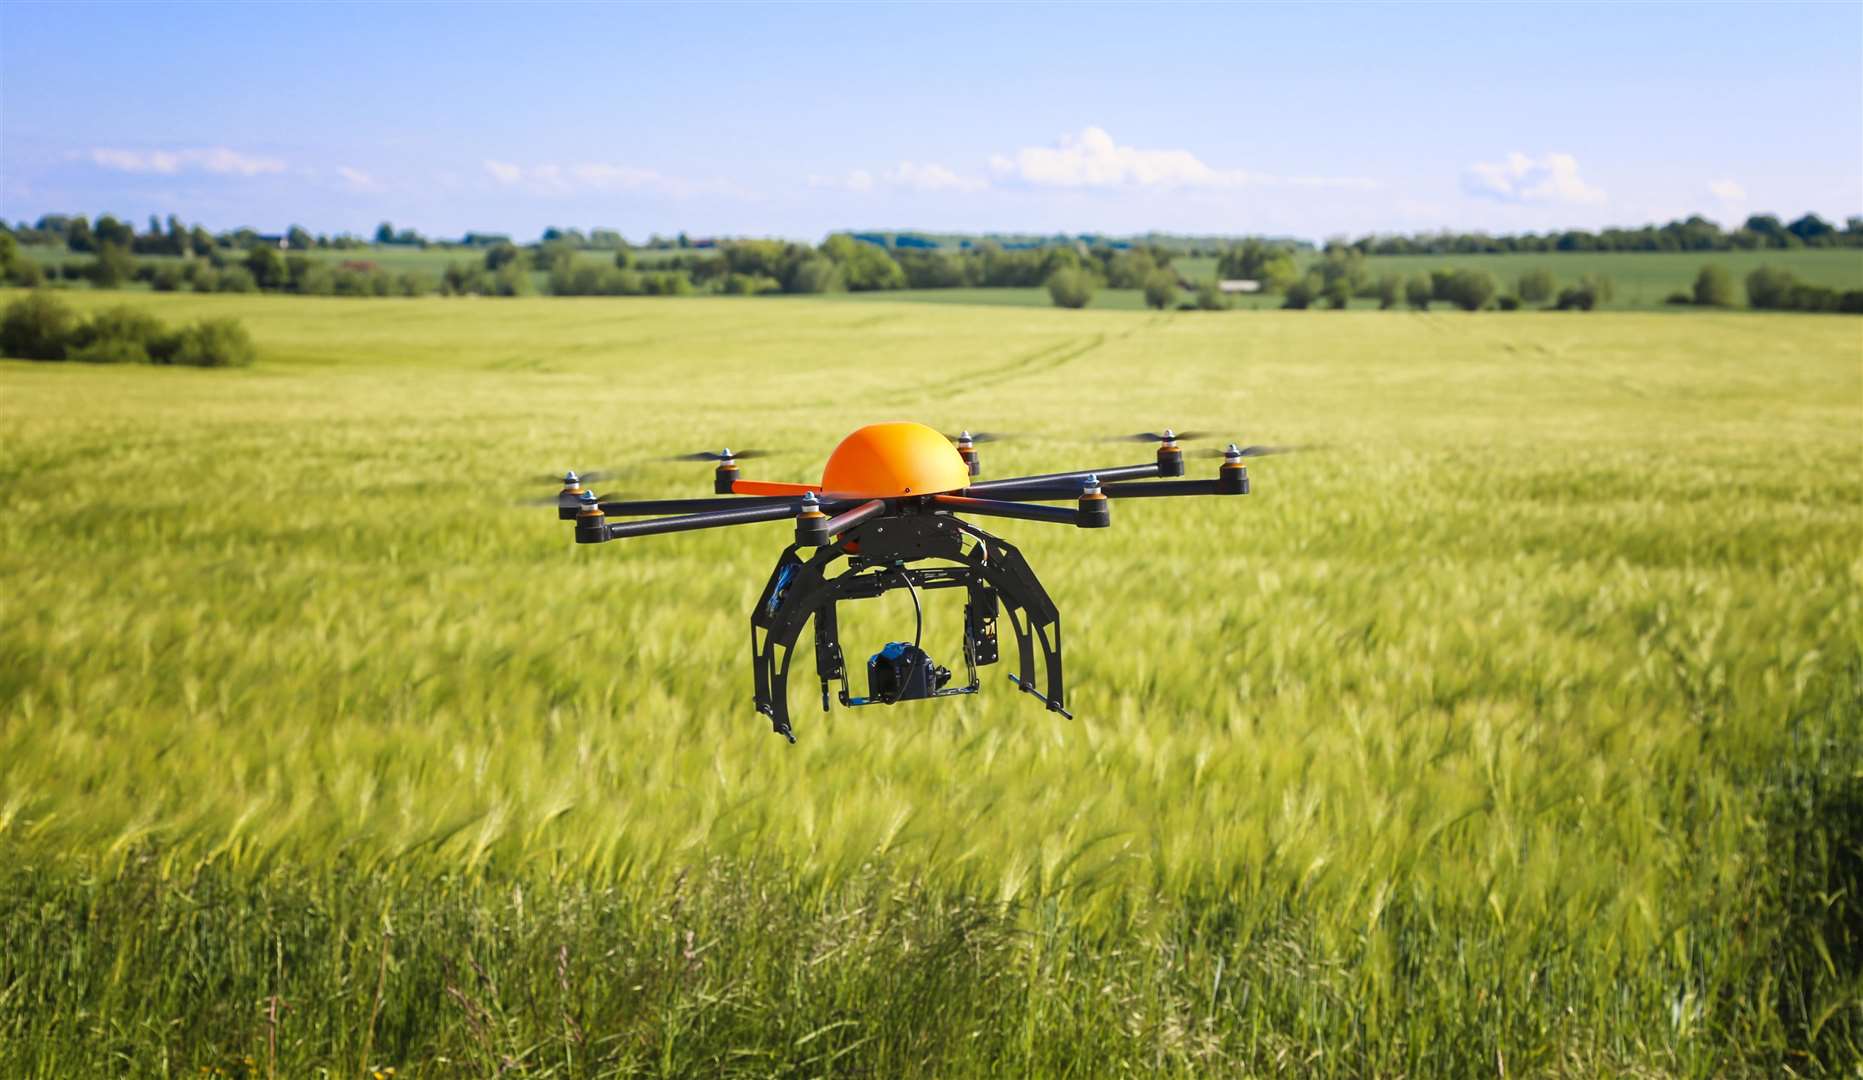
point(1537, 286)
point(864, 266)
point(816, 274)
point(1418, 292)
point(114, 266)
point(1160, 289)
point(200, 241)
point(503, 254)
point(1210, 297)
point(78, 235)
point(1770, 231)
point(1389, 291)
point(1714, 287)
point(1070, 287)
point(1257, 260)
point(385, 233)
point(267, 267)
point(1813, 231)
point(1130, 270)
point(1337, 293)
point(108, 230)
point(300, 239)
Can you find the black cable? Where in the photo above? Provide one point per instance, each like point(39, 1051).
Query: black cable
point(918, 613)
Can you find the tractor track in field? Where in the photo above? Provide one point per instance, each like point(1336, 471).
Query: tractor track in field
point(1040, 362)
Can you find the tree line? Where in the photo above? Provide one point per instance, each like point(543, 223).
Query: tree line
point(244, 261)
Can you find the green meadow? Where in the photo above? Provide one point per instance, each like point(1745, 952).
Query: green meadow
point(1513, 728)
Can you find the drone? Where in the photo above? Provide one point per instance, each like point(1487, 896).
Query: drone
point(893, 502)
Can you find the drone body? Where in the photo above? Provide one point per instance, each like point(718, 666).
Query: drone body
point(889, 503)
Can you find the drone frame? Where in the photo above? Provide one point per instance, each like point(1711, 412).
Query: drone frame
point(882, 540)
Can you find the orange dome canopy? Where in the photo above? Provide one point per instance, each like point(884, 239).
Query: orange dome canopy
point(894, 459)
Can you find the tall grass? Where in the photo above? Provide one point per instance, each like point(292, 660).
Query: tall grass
point(1516, 730)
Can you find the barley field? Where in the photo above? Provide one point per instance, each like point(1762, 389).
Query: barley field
point(1514, 728)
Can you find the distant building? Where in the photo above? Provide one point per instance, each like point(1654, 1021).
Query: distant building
point(1239, 285)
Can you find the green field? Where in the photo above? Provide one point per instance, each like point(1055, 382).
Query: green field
point(1514, 729)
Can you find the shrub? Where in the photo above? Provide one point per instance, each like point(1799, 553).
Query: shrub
point(1338, 293)
point(1160, 289)
point(1804, 296)
point(206, 279)
point(1579, 297)
point(208, 343)
point(1537, 286)
point(1211, 298)
point(28, 273)
point(1508, 303)
point(36, 327)
point(668, 283)
point(815, 275)
point(317, 280)
point(1470, 290)
point(1851, 302)
point(1389, 290)
point(1300, 295)
point(410, 283)
point(237, 279)
point(169, 277)
point(1070, 288)
point(1418, 292)
point(750, 285)
point(1714, 287)
point(118, 335)
point(1768, 287)
point(1678, 298)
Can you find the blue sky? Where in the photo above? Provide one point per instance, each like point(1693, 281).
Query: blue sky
point(794, 121)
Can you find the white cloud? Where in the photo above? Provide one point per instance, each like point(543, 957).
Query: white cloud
point(598, 177)
point(931, 177)
point(211, 159)
point(357, 180)
point(907, 175)
point(1728, 191)
point(1551, 178)
point(1092, 159)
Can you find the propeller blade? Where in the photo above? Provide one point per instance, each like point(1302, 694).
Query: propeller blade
point(981, 436)
point(1255, 451)
point(1152, 436)
point(709, 455)
point(560, 499)
point(585, 477)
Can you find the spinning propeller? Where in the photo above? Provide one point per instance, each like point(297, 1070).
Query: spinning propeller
point(727, 454)
point(1169, 438)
